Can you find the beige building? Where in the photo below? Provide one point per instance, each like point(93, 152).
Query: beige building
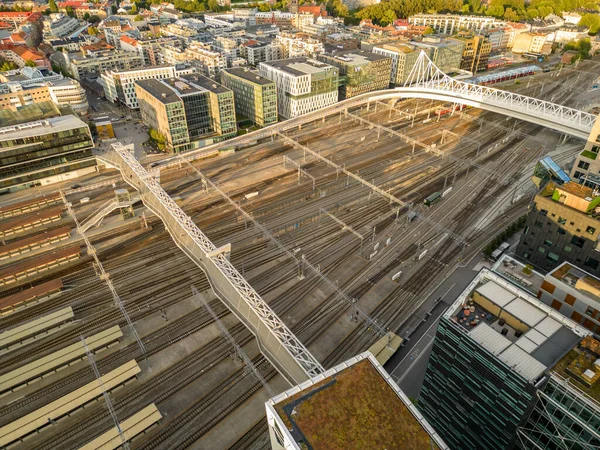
point(403, 58)
point(529, 42)
point(587, 163)
point(255, 96)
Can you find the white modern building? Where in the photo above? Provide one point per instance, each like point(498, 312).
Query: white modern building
point(303, 84)
point(119, 85)
point(452, 23)
point(59, 26)
point(68, 92)
point(295, 46)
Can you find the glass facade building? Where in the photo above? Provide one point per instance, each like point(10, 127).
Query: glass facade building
point(255, 96)
point(507, 371)
point(190, 111)
point(37, 153)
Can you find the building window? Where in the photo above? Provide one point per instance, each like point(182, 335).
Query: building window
point(590, 230)
point(591, 263)
point(577, 241)
point(552, 256)
point(548, 287)
point(562, 220)
point(542, 250)
point(567, 249)
point(548, 242)
point(576, 316)
point(583, 165)
point(543, 212)
point(539, 224)
point(561, 231)
point(570, 300)
point(556, 305)
point(590, 311)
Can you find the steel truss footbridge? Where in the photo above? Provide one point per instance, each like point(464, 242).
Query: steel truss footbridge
point(276, 341)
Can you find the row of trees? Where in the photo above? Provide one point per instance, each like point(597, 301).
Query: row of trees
point(514, 10)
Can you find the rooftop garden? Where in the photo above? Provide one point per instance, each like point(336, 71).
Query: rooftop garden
point(573, 365)
point(356, 408)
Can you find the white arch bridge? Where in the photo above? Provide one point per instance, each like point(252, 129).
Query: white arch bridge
point(427, 81)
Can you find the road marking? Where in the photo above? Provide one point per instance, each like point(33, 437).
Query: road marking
point(424, 334)
point(429, 344)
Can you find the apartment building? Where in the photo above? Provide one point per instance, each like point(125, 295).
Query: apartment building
point(563, 225)
point(68, 92)
point(508, 371)
point(257, 52)
point(359, 71)
point(16, 96)
point(294, 45)
point(59, 26)
point(44, 152)
point(453, 23)
point(575, 293)
point(403, 58)
point(587, 164)
point(93, 64)
point(528, 42)
point(255, 96)
point(303, 84)
point(208, 62)
point(190, 111)
point(119, 85)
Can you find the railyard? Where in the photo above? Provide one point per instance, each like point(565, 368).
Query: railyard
point(308, 232)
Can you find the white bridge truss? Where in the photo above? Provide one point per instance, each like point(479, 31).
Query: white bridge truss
point(276, 340)
point(426, 80)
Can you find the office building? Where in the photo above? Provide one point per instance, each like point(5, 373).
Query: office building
point(255, 96)
point(446, 54)
point(354, 405)
point(476, 53)
point(190, 111)
point(303, 85)
point(119, 85)
point(496, 374)
point(562, 225)
point(453, 23)
point(44, 152)
point(93, 64)
point(359, 71)
point(68, 92)
point(257, 52)
point(404, 57)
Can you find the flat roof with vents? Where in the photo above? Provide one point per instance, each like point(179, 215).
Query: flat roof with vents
point(248, 75)
point(524, 333)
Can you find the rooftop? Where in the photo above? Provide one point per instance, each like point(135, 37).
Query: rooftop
point(578, 279)
point(581, 366)
point(356, 57)
point(170, 90)
point(512, 324)
point(249, 75)
point(159, 90)
point(299, 66)
point(40, 127)
point(353, 405)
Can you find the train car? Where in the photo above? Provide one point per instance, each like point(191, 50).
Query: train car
point(506, 75)
point(433, 198)
point(447, 109)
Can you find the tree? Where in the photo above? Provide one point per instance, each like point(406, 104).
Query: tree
point(591, 21)
point(213, 5)
point(138, 18)
point(134, 9)
point(86, 16)
point(7, 65)
point(52, 6)
point(510, 15)
point(92, 31)
point(158, 138)
point(113, 9)
point(69, 11)
point(428, 30)
point(29, 63)
point(94, 19)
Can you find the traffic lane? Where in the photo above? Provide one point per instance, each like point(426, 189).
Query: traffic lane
point(448, 290)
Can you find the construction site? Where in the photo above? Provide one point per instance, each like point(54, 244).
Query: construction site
point(111, 335)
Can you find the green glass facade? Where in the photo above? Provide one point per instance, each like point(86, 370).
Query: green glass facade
point(471, 398)
point(564, 418)
point(25, 160)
